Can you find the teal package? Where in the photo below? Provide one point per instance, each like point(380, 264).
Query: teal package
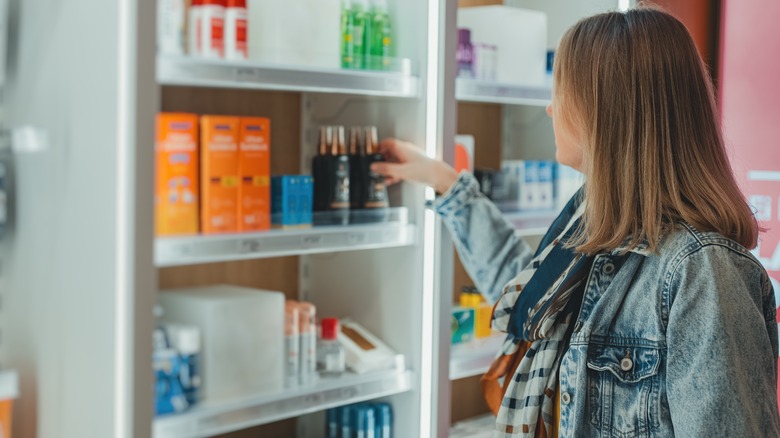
point(462, 324)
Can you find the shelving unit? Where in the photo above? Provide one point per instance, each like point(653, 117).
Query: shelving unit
point(177, 251)
point(213, 419)
point(474, 358)
point(182, 71)
point(470, 90)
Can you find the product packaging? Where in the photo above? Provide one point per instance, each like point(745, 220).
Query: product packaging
point(363, 421)
point(254, 164)
point(462, 324)
point(291, 201)
point(194, 28)
point(236, 30)
point(219, 174)
point(297, 33)
point(212, 34)
point(379, 34)
point(321, 170)
point(176, 174)
point(520, 38)
point(465, 55)
point(292, 344)
point(185, 340)
point(340, 189)
point(308, 336)
point(364, 351)
point(242, 332)
point(330, 353)
point(169, 396)
point(170, 27)
point(355, 19)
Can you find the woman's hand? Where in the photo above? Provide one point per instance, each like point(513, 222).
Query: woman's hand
point(405, 161)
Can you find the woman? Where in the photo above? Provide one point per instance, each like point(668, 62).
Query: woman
point(642, 313)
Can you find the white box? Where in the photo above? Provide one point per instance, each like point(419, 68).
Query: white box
point(546, 190)
point(242, 351)
point(520, 36)
point(295, 32)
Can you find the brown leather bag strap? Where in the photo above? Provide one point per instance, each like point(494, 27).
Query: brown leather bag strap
point(504, 366)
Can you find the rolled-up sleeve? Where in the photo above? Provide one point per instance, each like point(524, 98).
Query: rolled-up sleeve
point(491, 251)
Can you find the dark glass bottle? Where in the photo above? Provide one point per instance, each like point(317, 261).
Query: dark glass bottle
point(357, 169)
point(339, 178)
point(321, 171)
point(375, 197)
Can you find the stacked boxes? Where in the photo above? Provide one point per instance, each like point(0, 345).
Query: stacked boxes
point(212, 174)
point(254, 169)
point(537, 185)
point(219, 174)
point(176, 173)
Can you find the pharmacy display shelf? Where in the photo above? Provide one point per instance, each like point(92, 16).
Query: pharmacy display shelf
point(213, 419)
point(193, 250)
point(183, 71)
point(471, 90)
point(531, 223)
point(474, 358)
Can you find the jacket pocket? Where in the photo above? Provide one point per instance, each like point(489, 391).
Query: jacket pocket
point(623, 389)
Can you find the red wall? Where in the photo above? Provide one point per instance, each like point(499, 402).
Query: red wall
point(750, 103)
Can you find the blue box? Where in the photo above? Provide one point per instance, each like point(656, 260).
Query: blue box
point(462, 324)
point(383, 417)
point(291, 200)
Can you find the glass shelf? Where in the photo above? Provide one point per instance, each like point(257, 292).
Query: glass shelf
point(185, 71)
point(209, 420)
point(470, 90)
point(191, 250)
point(474, 358)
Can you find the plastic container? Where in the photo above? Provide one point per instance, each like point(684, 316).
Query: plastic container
point(236, 17)
point(292, 344)
point(465, 54)
point(170, 27)
point(308, 338)
point(330, 353)
point(213, 29)
point(194, 28)
point(294, 32)
point(9, 390)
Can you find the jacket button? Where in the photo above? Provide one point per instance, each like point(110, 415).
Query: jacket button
point(609, 268)
point(626, 364)
point(566, 398)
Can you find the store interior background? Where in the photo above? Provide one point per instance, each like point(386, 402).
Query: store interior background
point(77, 273)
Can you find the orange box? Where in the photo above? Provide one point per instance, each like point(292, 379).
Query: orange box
point(176, 174)
point(219, 174)
point(254, 171)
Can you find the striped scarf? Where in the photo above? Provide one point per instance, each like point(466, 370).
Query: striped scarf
point(538, 306)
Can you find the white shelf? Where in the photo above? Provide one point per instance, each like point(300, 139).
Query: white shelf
point(534, 223)
point(185, 71)
point(192, 250)
point(474, 358)
point(208, 420)
point(470, 90)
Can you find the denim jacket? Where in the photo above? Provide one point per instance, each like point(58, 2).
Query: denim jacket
point(682, 342)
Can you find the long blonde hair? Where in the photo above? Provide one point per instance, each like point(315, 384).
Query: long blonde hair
point(635, 87)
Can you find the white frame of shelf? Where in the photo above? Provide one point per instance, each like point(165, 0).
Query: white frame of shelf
point(183, 71)
point(208, 420)
point(474, 358)
point(179, 251)
point(472, 90)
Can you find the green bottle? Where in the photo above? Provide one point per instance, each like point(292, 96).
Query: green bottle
point(379, 38)
point(354, 20)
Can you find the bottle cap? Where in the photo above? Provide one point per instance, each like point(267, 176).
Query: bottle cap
point(236, 4)
point(338, 145)
point(222, 3)
point(291, 318)
point(330, 329)
point(196, 3)
point(306, 317)
point(372, 140)
point(355, 143)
